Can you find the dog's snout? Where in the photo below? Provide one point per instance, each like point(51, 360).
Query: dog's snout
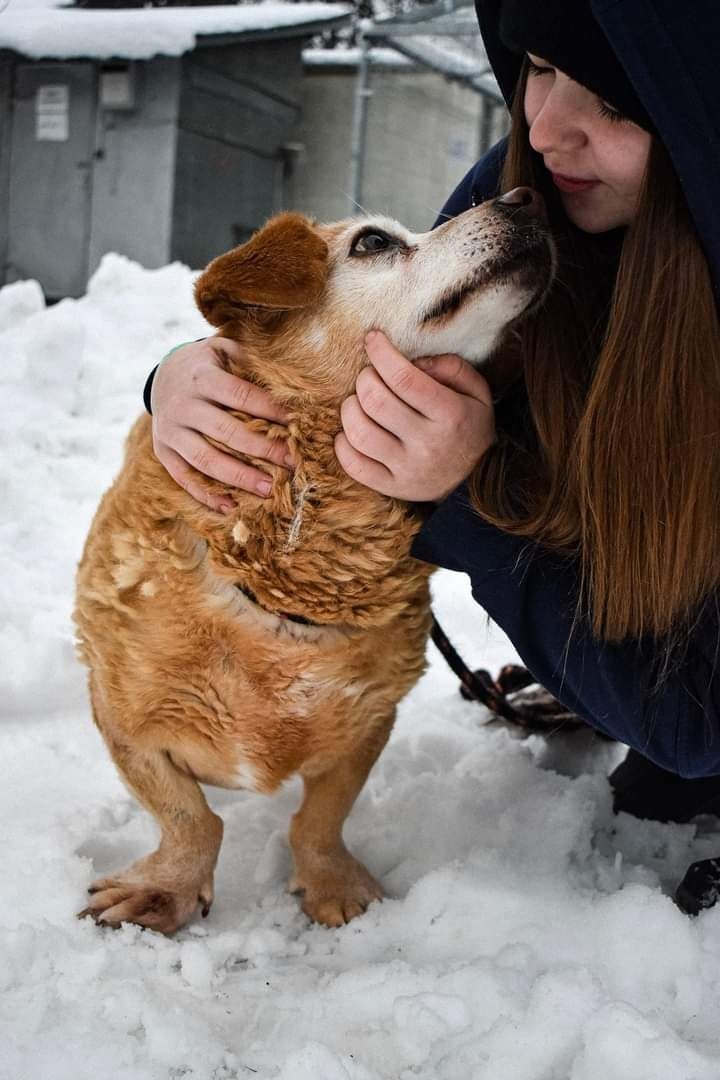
point(526, 200)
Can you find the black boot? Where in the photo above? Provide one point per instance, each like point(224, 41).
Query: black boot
point(700, 888)
point(647, 791)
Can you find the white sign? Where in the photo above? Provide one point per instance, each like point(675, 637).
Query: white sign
point(52, 113)
point(116, 89)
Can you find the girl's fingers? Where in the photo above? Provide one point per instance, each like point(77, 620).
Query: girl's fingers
point(226, 429)
point(383, 406)
point(420, 384)
point(364, 469)
point(225, 389)
point(365, 436)
point(183, 475)
point(457, 374)
point(400, 375)
point(195, 451)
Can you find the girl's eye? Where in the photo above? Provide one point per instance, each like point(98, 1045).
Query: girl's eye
point(536, 69)
point(609, 112)
point(605, 110)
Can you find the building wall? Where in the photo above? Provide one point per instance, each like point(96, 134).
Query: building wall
point(195, 166)
point(52, 145)
point(104, 185)
point(423, 134)
point(239, 107)
point(6, 69)
point(134, 170)
point(210, 150)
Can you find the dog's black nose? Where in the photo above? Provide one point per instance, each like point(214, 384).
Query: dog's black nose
point(526, 199)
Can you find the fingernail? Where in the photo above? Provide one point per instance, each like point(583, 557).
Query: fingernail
point(227, 507)
point(264, 487)
point(425, 362)
point(289, 461)
point(371, 336)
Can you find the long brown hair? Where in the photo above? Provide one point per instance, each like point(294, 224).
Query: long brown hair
point(609, 425)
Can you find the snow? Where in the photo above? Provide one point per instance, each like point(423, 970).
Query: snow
point(30, 5)
point(34, 30)
point(350, 58)
point(528, 934)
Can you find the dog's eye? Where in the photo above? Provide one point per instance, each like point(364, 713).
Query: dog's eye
point(368, 243)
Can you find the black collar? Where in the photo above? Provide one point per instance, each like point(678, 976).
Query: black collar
point(280, 614)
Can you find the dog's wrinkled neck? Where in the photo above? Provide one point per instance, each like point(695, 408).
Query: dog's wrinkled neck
point(321, 547)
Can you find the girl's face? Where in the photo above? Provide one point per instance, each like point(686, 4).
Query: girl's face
point(583, 139)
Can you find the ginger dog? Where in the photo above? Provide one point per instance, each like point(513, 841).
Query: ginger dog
point(238, 650)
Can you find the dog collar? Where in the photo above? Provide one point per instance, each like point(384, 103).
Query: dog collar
point(280, 614)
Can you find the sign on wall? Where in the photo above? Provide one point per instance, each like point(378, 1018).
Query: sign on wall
point(52, 113)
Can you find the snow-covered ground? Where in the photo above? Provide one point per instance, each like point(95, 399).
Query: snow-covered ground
point(528, 934)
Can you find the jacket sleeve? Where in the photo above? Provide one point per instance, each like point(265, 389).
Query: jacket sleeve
point(671, 716)
point(147, 390)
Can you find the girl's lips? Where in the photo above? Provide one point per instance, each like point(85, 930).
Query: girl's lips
point(566, 183)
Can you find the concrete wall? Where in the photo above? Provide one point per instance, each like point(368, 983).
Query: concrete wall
point(134, 170)
point(239, 106)
point(423, 134)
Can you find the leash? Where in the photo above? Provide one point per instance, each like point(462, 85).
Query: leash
point(535, 711)
point(478, 685)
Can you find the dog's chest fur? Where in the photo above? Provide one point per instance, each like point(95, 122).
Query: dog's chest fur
point(237, 694)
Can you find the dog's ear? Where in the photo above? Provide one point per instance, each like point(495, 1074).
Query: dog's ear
point(283, 267)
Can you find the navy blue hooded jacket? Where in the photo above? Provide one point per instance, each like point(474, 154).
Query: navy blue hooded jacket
point(671, 53)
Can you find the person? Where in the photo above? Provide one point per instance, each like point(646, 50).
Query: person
point(576, 482)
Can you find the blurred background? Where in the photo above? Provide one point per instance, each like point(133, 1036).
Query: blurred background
point(171, 131)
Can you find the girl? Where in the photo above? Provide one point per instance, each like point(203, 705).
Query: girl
point(579, 486)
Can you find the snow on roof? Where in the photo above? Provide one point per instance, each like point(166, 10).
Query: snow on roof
point(350, 58)
point(139, 33)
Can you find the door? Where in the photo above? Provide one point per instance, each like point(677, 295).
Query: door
point(51, 156)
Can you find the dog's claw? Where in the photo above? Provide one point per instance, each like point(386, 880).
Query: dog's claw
point(205, 898)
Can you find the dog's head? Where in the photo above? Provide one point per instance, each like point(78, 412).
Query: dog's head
point(305, 294)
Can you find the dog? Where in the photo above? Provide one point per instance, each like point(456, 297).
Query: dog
point(239, 650)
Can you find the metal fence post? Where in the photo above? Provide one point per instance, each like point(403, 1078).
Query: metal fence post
point(359, 127)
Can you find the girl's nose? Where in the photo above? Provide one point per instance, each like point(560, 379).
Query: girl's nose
point(559, 123)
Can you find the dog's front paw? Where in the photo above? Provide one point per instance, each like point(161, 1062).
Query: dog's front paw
point(157, 907)
point(336, 889)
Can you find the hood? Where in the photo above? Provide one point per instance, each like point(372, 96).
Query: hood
point(671, 54)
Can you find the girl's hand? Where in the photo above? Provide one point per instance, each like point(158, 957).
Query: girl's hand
point(188, 392)
point(414, 430)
